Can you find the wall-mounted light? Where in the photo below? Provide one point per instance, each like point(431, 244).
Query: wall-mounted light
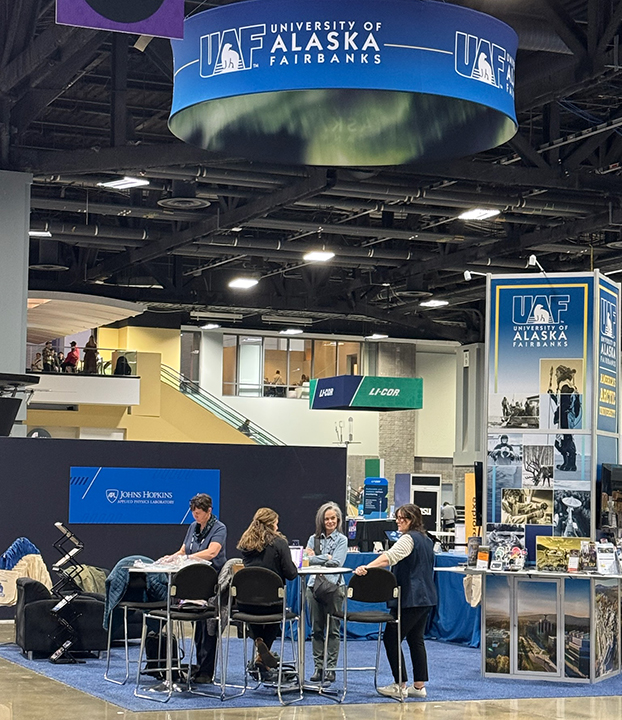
point(210, 326)
point(291, 331)
point(376, 336)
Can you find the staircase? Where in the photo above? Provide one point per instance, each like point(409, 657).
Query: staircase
point(215, 405)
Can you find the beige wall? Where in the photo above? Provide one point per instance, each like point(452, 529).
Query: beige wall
point(166, 342)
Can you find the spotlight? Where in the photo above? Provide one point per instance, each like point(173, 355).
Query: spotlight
point(243, 283)
point(479, 214)
point(318, 256)
point(376, 336)
point(434, 303)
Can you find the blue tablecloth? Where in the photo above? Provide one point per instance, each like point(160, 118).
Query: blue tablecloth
point(453, 620)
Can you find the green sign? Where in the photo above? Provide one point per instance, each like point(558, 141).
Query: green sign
point(366, 393)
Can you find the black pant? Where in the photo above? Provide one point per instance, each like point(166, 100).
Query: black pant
point(268, 633)
point(206, 649)
point(413, 625)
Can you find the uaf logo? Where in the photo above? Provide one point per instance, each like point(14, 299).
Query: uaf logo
point(231, 50)
point(112, 496)
point(608, 318)
point(539, 309)
point(479, 59)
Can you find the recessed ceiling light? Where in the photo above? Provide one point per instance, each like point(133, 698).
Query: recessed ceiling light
point(243, 283)
point(434, 303)
point(318, 256)
point(479, 214)
point(210, 326)
point(40, 233)
point(376, 336)
point(124, 183)
point(291, 331)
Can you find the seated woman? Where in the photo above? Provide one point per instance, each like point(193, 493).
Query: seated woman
point(205, 540)
point(412, 562)
point(262, 545)
point(327, 546)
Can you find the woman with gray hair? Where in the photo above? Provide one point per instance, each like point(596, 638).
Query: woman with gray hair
point(328, 546)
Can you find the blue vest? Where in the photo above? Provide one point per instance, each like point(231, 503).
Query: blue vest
point(415, 573)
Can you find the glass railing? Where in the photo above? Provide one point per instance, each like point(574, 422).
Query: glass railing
point(217, 407)
point(85, 361)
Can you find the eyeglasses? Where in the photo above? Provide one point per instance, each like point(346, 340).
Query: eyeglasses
point(401, 517)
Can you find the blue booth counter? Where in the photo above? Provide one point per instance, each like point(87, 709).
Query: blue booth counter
point(453, 619)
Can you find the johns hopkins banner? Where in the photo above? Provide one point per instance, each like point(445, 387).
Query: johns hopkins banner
point(344, 83)
point(552, 387)
point(115, 495)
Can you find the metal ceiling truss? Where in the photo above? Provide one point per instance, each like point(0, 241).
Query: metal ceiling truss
point(78, 107)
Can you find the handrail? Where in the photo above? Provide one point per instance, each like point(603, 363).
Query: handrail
point(216, 406)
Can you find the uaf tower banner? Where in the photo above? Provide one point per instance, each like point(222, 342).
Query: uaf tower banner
point(553, 354)
point(344, 83)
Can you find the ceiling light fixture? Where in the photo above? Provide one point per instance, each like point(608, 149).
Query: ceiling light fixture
point(318, 256)
point(124, 183)
point(479, 214)
point(204, 315)
point(376, 336)
point(210, 326)
point(291, 331)
point(243, 283)
point(287, 320)
point(468, 274)
point(39, 233)
point(434, 303)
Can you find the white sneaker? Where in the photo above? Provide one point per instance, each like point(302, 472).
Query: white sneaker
point(393, 691)
point(416, 692)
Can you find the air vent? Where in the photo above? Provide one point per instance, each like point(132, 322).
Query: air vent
point(183, 196)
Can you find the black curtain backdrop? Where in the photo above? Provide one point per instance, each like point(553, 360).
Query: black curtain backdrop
point(34, 491)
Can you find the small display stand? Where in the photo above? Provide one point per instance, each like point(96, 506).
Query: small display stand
point(66, 589)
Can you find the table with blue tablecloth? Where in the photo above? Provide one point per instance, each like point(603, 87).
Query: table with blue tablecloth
point(453, 620)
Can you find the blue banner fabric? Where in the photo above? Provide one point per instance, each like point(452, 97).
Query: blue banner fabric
point(151, 496)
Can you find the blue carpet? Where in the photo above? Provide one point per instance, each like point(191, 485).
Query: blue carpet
point(454, 675)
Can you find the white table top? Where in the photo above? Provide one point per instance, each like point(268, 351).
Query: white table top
point(168, 568)
point(323, 570)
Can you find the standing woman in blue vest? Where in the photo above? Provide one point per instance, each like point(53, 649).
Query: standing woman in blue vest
point(412, 561)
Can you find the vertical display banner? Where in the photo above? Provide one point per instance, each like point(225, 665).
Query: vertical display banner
point(608, 356)
point(158, 18)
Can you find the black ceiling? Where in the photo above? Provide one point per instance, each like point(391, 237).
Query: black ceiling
point(81, 106)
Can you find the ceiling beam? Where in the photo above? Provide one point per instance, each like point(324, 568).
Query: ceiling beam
point(611, 29)
point(567, 29)
point(315, 183)
point(526, 150)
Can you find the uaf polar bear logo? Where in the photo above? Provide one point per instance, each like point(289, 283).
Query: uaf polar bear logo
point(483, 71)
point(229, 58)
point(540, 315)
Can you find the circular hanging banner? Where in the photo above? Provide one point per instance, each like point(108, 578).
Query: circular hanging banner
point(348, 83)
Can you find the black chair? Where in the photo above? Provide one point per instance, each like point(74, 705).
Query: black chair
point(137, 588)
point(262, 587)
point(36, 626)
point(378, 586)
point(194, 582)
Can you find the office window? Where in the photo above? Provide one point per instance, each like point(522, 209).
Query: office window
point(190, 354)
point(348, 358)
point(299, 361)
point(250, 365)
point(229, 364)
point(324, 358)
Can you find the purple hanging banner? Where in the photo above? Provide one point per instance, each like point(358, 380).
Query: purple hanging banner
point(159, 18)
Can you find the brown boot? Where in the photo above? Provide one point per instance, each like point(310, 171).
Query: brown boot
point(266, 657)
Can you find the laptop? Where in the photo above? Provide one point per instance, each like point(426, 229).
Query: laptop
point(296, 551)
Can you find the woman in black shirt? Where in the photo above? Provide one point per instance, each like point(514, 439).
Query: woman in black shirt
point(262, 545)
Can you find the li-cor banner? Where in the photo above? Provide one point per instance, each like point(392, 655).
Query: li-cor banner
point(608, 356)
point(341, 83)
point(117, 495)
point(366, 393)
